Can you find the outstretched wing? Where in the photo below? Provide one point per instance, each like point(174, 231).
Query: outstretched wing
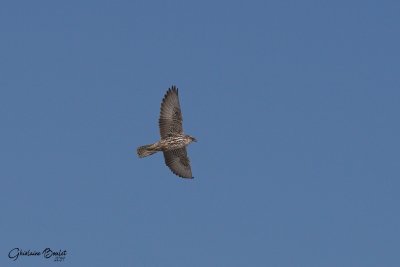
point(178, 161)
point(170, 121)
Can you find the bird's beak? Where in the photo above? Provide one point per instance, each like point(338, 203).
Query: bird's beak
point(194, 139)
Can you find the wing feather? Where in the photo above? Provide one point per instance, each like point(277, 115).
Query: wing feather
point(178, 161)
point(170, 121)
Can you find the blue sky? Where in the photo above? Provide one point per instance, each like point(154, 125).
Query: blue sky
point(295, 105)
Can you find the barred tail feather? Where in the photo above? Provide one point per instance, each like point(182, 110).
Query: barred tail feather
point(146, 150)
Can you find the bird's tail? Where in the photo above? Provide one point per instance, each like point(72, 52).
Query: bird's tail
point(147, 150)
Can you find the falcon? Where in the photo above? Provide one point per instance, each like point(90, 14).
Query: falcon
point(173, 141)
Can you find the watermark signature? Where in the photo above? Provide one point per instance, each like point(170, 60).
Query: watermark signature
point(47, 253)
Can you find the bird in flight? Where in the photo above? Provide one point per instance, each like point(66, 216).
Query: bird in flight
point(173, 141)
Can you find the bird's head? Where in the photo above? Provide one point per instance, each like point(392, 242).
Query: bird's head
point(192, 138)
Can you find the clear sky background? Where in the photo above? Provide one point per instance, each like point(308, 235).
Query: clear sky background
point(295, 105)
